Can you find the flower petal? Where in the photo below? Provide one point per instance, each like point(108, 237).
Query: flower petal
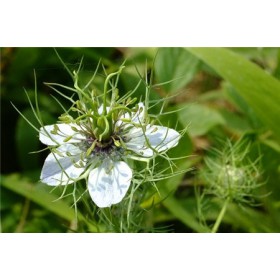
point(60, 170)
point(137, 117)
point(59, 133)
point(68, 149)
point(156, 137)
point(108, 183)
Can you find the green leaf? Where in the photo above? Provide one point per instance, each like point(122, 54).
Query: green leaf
point(37, 194)
point(242, 218)
point(199, 118)
point(176, 66)
point(259, 89)
point(242, 105)
point(277, 69)
point(249, 219)
point(234, 122)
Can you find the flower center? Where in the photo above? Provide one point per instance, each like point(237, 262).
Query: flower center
point(102, 129)
point(104, 146)
point(102, 149)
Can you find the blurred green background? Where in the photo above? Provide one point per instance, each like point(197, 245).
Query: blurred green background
point(218, 93)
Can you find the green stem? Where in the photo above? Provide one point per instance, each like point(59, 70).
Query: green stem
point(25, 210)
point(106, 86)
point(221, 216)
point(106, 132)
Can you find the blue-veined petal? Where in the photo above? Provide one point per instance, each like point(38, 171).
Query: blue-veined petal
point(153, 138)
point(108, 183)
point(59, 134)
point(62, 167)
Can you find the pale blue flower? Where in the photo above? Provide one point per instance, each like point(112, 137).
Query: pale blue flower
point(105, 168)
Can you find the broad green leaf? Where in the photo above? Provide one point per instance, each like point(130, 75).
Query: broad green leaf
point(266, 57)
point(242, 217)
point(277, 70)
point(249, 219)
point(242, 105)
point(259, 89)
point(176, 66)
point(272, 144)
point(37, 194)
point(234, 122)
point(139, 55)
point(199, 118)
point(270, 162)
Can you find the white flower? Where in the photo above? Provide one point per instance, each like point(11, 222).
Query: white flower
point(76, 154)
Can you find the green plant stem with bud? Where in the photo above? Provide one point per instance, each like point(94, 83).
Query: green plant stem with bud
point(221, 216)
point(231, 176)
